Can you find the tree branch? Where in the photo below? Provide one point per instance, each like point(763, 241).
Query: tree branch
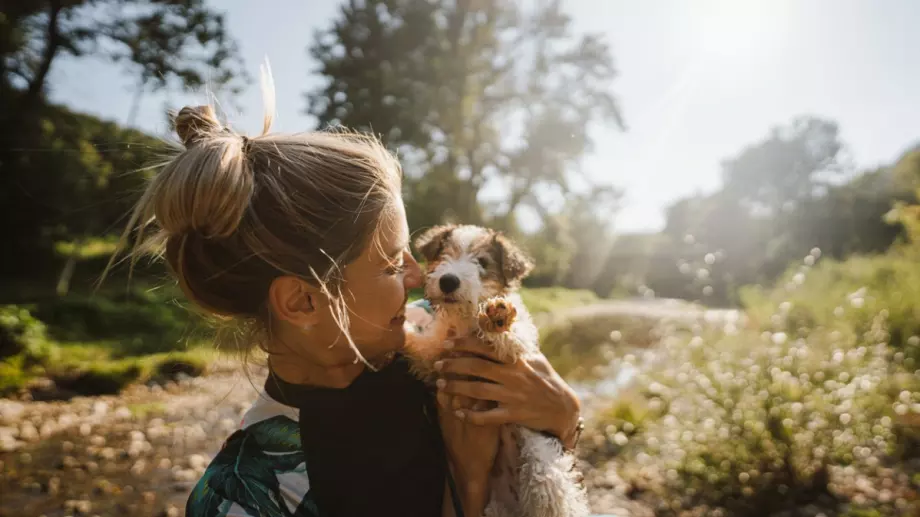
point(54, 40)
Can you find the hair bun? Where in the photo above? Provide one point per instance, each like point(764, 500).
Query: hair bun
point(196, 123)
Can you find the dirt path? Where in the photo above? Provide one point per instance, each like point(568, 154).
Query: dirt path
point(136, 454)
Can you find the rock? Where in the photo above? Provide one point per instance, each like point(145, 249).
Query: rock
point(197, 461)
point(10, 411)
point(54, 486)
point(80, 507)
point(28, 432)
point(100, 408)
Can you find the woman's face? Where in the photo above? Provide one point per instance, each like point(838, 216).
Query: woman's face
point(376, 288)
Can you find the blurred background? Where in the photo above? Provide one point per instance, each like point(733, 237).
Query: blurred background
point(721, 198)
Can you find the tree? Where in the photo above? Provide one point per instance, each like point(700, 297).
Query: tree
point(163, 42)
point(788, 167)
point(470, 93)
point(66, 178)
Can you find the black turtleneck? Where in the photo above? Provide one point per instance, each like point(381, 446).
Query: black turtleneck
point(373, 448)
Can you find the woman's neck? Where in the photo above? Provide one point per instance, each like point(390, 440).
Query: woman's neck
point(299, 370)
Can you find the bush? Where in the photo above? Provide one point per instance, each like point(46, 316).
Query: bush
point(845, 296)
point(143, 321)
point(21, 334)
point(758, 425)
point(23, 348)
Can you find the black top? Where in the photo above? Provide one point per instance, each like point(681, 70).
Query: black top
point(373, 448)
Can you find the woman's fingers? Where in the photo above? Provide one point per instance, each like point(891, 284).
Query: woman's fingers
point(497, 416)
point(473, 366)
point(475, 390)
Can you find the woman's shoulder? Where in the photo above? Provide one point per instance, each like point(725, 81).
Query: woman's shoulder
point(259, 471)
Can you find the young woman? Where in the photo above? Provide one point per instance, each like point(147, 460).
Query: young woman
point(303, 238)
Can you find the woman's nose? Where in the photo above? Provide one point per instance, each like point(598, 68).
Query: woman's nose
point(413, 277)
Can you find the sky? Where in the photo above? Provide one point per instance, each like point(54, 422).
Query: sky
point(698, 81)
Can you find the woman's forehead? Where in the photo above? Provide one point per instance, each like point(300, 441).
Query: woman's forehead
point(392, 235)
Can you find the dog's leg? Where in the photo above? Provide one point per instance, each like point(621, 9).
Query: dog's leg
point(549, 484)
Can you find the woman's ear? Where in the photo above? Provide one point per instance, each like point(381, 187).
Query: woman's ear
point(295, 301)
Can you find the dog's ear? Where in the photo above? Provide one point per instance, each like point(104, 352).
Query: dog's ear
point(515, 264)
point(430, 243)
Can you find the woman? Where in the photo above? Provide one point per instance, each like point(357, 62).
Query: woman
point(304, 238)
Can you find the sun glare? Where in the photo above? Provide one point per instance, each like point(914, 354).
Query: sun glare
point(732, 29)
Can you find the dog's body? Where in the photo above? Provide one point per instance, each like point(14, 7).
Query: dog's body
point(472, 276)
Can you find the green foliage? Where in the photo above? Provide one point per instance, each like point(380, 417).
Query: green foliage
point(21, 334)
point(748, 425)
point(144, 321)
point(162, 42)
point(845, 296)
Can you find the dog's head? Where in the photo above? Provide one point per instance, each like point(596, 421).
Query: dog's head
point(468, 264)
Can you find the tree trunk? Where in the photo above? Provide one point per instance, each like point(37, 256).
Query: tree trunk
point(37, 84)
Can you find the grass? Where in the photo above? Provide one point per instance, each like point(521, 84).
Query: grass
point(97, 368)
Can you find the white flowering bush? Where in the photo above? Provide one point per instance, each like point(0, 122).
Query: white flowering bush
point(751, 424)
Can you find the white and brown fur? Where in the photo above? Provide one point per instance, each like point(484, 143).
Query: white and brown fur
point(533, 475)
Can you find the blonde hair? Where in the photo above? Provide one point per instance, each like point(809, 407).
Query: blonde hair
point(231, 213)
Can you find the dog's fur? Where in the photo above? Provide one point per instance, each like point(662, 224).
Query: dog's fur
point(533, 475)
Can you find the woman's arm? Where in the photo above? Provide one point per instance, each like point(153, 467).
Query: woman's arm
point(471, 452)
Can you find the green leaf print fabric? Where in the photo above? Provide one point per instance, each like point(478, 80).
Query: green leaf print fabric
point(244, 476)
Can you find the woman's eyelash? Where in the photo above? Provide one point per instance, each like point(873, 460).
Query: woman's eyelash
point(397, 269)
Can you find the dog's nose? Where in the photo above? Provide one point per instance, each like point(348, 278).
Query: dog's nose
point(449, 283)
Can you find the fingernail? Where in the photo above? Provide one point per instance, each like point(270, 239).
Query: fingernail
point(438, 365)
point(460, 414)
point(441, 383)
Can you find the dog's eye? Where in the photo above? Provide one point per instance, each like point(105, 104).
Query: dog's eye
point(483, 262)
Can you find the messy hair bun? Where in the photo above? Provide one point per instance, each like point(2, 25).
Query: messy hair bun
point(207, 188)
point(196, 123)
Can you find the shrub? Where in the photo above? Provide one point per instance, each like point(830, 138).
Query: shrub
point(845, 296)
point(759, 425)
point(143, 321)
point(21, 334)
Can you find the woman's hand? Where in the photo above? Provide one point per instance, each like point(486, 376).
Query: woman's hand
point(528, 392)
point(471, 451)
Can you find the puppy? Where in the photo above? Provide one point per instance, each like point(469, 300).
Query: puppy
point(472, 277)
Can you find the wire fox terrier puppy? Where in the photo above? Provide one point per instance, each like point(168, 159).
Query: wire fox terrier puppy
point(472, 277)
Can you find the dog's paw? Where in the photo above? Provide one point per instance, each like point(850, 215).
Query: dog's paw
point(496, 315)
